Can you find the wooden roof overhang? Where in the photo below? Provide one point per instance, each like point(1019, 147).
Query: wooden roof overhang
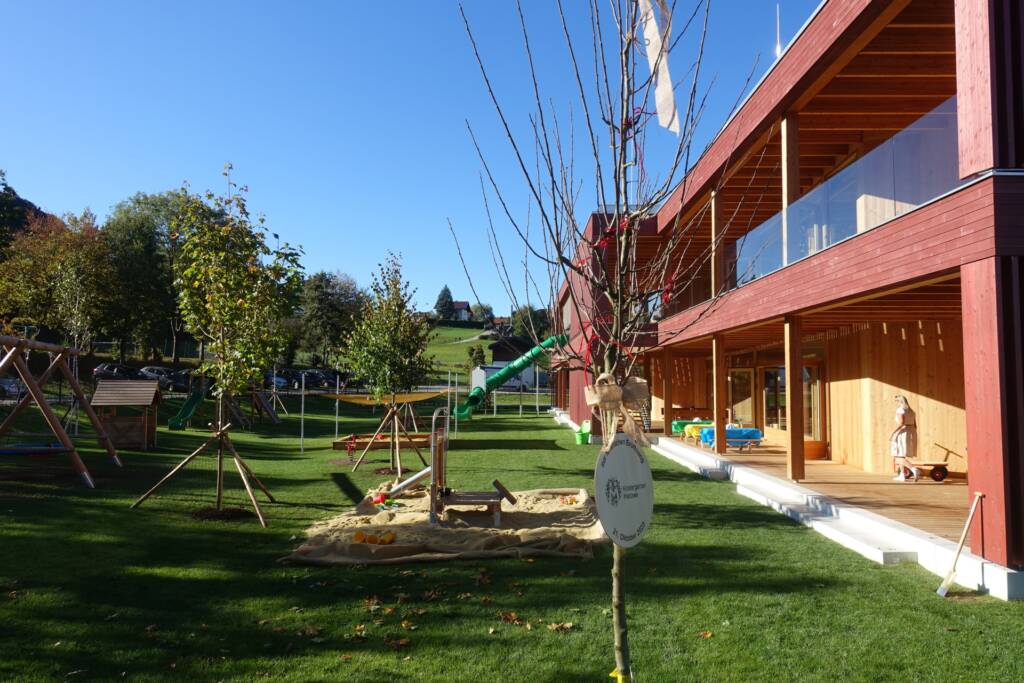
point(858, 73)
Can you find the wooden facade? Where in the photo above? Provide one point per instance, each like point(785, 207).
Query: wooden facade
point(924, 297)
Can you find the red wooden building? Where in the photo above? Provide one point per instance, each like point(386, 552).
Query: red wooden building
point(864, 215)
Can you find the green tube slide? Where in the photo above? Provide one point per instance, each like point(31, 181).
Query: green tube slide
point(477, 395)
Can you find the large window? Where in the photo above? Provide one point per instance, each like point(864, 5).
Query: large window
point(914, 166)
point(741, 396)
point(775, 400)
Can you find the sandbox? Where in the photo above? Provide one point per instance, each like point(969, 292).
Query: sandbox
point(544, 522)
point(358, 442)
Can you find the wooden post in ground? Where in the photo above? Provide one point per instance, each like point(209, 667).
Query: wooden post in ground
point(383, 423)
point(27, 399)
point(667, 388)
point(220, 451)
point(794, 399)
point(101, 432)
point(720, 373)
point(51, 419)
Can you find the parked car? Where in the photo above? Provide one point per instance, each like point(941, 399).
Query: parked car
point(270, 380)
point(10, 387)
point(114, 371)
point(331, 376)
point(314, 379)
point(181, 380)
point(160, 373)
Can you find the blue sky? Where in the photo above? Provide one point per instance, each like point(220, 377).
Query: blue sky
point(348, 126)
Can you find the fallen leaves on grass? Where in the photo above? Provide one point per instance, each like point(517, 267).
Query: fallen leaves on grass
point(561, 627)
point(346, 658)
point(396, 643)
point(408, 625)
point(511, 618)
point(433, 594)
point(491, 631)
point(705, 634)
point(483, 577)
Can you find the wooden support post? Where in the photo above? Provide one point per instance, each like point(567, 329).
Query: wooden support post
point(101, 433)
point(26, 400)
point(794, 399)
point(383, 423)
point(667, 383)
point(51, 419)
point(992, 296)
point(790, 179)
point(12, 351)
point(720, 367)
point(718, 274)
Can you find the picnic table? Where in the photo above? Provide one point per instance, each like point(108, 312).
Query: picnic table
point(737, 437)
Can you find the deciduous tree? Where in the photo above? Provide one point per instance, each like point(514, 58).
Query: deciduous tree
point(387, 346)
point(330, 307)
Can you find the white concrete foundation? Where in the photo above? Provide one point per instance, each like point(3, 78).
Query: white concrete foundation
point(877, 538)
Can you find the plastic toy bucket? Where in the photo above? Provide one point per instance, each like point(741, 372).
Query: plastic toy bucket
point(582, 438)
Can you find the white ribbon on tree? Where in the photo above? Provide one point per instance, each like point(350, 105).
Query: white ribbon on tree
point(612, 401)
point(657, 59)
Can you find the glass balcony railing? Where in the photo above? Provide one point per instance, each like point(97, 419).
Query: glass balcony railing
point(914, 166)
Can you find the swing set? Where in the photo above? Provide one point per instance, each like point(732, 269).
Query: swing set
point(14, 357)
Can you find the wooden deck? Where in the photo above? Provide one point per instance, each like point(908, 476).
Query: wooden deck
point(937, 508)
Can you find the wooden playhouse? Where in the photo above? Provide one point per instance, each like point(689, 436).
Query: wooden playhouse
point(128, 411)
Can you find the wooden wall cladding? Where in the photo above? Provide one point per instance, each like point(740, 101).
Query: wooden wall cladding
point(690, 387)
point(867, 368)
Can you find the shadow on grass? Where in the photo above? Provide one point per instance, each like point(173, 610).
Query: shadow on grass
point(507, 444)
point(347, 487)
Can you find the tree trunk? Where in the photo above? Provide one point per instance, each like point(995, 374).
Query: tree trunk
point(622, 661)
point(174, 345)
point(220, 451)
point(121, 350)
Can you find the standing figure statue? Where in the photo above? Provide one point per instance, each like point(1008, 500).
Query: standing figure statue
point(903, 441)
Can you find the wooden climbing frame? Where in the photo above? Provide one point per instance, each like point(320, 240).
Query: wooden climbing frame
point(14, 351)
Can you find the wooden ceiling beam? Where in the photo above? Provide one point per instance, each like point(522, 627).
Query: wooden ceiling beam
point(905, 65)
point(864, 86)
point(913, 40)
point(857, 105)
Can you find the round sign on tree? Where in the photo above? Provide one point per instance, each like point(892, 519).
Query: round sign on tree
point(624, 489)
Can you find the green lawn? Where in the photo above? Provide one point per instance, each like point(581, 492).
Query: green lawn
point(721, 589)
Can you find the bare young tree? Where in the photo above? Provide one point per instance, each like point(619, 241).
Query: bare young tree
point(618, 275)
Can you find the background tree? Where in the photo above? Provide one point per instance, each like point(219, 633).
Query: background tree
point(233, 291)
point(445, 305)
point(330, 307)
point(139, 274)
point(530, 322)
point(15, 214)
point(54, 276)
point(477, 357)
point(482, 313)
point(79, 286)
point(157, 212)
point(387, 346)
